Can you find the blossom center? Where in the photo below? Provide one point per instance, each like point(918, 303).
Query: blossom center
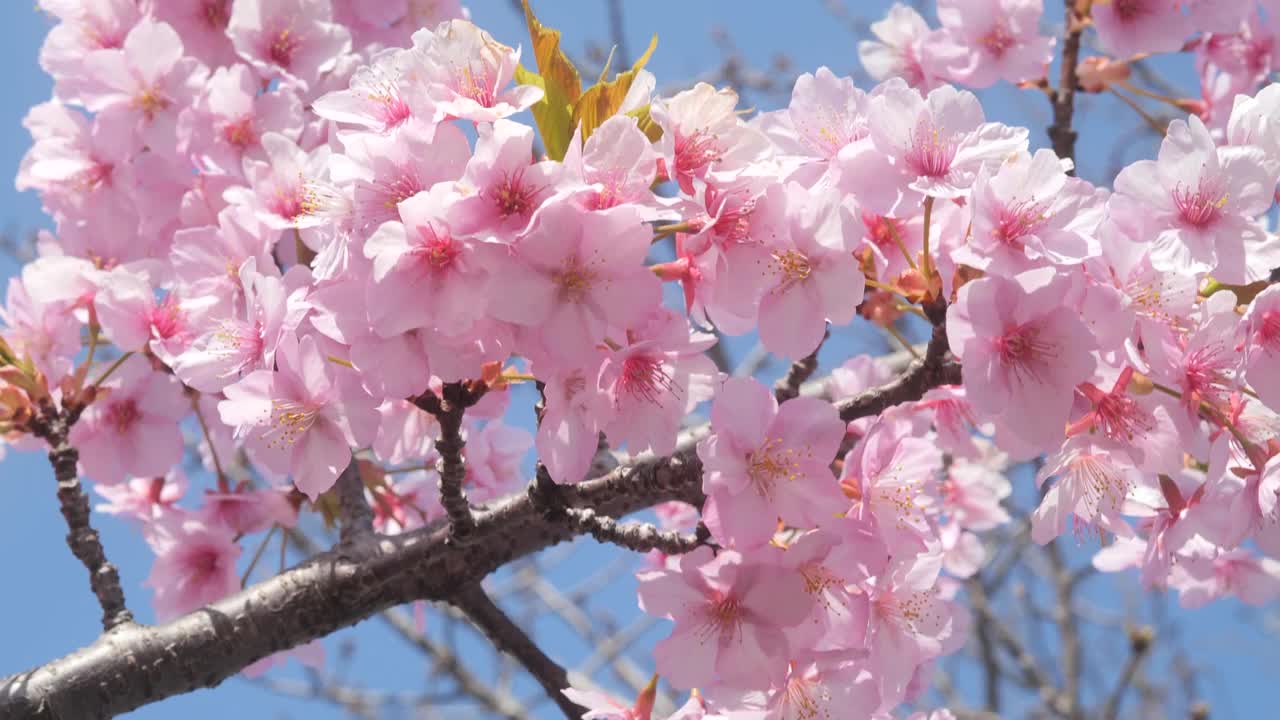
point(574, 281)
point(290, 420)
point(167, 318)
point(1024, 351)
point(217, 14)
point(438, 250)
point(793, 265)
point(998, 40)
point(646, 377)
point(150, 102)
point(932, 150)
point(771, 463)
point(883, 231)
point(696, 150)
point(1131, 10)
point(1200, 208)
point(1019, 219)
point(512, 195)
point(479, 86)
point(240, 133)
point(1269, 330)
point(122, 415)
point(721, 616)
point(283, 47)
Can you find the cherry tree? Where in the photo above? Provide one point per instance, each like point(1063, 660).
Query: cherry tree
point(350, 264)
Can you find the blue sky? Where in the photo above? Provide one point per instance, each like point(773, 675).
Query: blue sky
point(48, 609)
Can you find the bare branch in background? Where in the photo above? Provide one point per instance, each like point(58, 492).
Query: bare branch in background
point(510, 638)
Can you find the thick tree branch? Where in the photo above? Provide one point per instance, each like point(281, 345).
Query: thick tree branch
point(54, 426)
point(354, 513)
point(134, 665)
point(513, 640)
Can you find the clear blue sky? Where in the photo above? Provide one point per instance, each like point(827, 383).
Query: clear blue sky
point(47, 609)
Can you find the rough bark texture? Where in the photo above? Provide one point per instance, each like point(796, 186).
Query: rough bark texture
point(55, 426)
point(134, 665)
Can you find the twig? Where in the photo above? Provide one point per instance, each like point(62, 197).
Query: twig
point(353, 509)
point(1139, 644)
point(1068, 632)
point(637, 536)
point(54, 426)
point(448, 410)
point(1064, 97)
point(789, 386)
point(513, 640)
point(921, 375)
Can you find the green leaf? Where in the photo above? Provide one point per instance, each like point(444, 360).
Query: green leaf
point(602, 100)
point(560, 82)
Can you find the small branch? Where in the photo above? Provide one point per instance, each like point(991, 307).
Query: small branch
point(448, 410)
point(986, 651)
point(356, 518)
point(789, 386)
point(54, 426)
point(1068, 632)
point(511, 639)
point(1064, 97)
point(1140, 639)
point(921, 375)
point(636, 536)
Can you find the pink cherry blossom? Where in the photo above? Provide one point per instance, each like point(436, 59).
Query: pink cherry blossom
point(702, 134)
point(989, 40)
point(290, 39)
point(147, 80)
point(383, 171)
point(144, 499)
point(226, 122)
point(1203, 199)
point(1130, 27)
point(576, 409)
point(375, 100)
point(656, 379)
point(764, 461)
point(1023, 350)
point(902, 48)
point(195, 565)
point(132, 428)
point(730, 615)
point(1262, 345)
point(937, 143)
point(242, 341)
point(576, 274)
point(807, 272)
point(424, 276)
point(1027, 211)
point(502, 187)
point(464, 73)
point(298, 419)
point(890, 477)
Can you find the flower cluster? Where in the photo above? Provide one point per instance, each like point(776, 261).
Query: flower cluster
point(293, 218)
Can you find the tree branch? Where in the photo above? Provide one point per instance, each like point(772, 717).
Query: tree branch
point(1060, 132)
point(636, 536)
point(354, 513)
point(921, 375)
point(511, 639)
point(448, 410)
point(1139, 643)
point(54, 426)
point(789, 386)
point(134, 665)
